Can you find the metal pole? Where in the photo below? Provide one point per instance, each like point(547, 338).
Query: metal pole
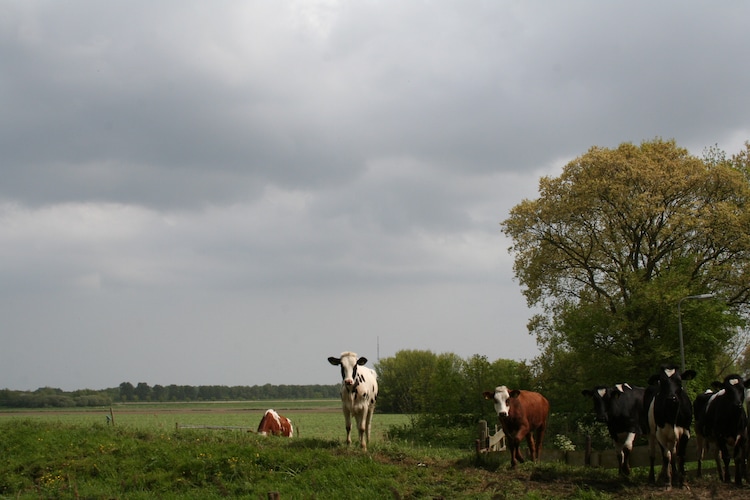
point(679, 323)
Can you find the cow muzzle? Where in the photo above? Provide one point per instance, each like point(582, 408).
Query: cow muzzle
point(502, 414)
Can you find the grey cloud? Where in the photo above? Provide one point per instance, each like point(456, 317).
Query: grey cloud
point(322, 171)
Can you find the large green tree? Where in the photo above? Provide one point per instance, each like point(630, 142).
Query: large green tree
point(611, 246)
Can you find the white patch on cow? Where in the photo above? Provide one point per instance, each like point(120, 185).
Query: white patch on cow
point(733, 381)
point(501, 400)
point(602, 392)
point(714, 396)
point(670, 371)
point(275, 416)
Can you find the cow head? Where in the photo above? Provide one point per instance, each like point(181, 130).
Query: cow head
point(604, 398)
point(669, 382)
point(734, 388)
point(600, 395)
point(349, 363)
point(501, 398)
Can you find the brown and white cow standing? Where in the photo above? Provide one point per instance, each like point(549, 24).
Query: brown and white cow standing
point(522, 415)
point(359, 392)
point(274, 424)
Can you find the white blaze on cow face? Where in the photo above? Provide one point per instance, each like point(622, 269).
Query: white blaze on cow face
point(500, 400)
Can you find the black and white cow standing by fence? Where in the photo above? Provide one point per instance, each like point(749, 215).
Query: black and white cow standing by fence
point(670, 415)
point(720, 419)
point(621, 408)
point(359, 392)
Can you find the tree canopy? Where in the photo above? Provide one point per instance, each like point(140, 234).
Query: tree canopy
point(611, 246)
point(422, 382)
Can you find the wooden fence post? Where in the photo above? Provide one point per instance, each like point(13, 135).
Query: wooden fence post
point(484, 434)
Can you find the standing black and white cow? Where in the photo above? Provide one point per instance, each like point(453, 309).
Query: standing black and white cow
point(699, 412)
point(670, 415)
point(359, 392)
point(621, 408)
point(721, 420)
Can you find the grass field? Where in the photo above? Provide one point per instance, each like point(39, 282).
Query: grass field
point(320, 419)
point(76, 454)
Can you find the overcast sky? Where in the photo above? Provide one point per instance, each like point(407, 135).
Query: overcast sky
point(230, 192)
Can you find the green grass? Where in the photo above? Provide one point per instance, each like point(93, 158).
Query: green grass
point(48, 459)
point(315, 419)
point(75, 454)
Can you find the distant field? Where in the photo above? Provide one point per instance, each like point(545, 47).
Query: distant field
point(311, 418)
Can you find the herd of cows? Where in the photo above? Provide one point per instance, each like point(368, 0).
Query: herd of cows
point(662, 411)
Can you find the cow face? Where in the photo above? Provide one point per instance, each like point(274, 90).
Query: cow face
point(600, 395)
point(734, 389)
point(669, 382)
point(349, 363)
point(501, 399)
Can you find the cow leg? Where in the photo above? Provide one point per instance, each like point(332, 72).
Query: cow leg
point(651, 458)
point(514, 446)
point(739, 462)
point(532, 446)
point(681, 450)
point(368, 424)
point(539, 441)
point(666, 468)
point(722, 460)
point(361, 419)
point(348, 422)
point(624, 457)
point(699, 454)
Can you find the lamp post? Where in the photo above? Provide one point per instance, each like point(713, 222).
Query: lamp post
point(702, 296)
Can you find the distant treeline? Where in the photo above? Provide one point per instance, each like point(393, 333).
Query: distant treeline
point(48, 397)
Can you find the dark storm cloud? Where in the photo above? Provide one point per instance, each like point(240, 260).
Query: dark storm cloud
point(324, 172)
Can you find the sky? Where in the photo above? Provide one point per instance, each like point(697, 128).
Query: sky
point(228, 193)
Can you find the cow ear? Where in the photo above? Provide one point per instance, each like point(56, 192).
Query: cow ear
point(688, 375)
point(334, 361)
point(488, 395)
point(515, 393)
point(362, 361)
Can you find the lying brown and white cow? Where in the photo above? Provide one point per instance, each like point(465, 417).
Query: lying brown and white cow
point(274, 424)
point(359, 391)
point(522, 415)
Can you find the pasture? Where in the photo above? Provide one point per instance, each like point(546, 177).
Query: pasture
point(315, 419)
point(76, 454)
